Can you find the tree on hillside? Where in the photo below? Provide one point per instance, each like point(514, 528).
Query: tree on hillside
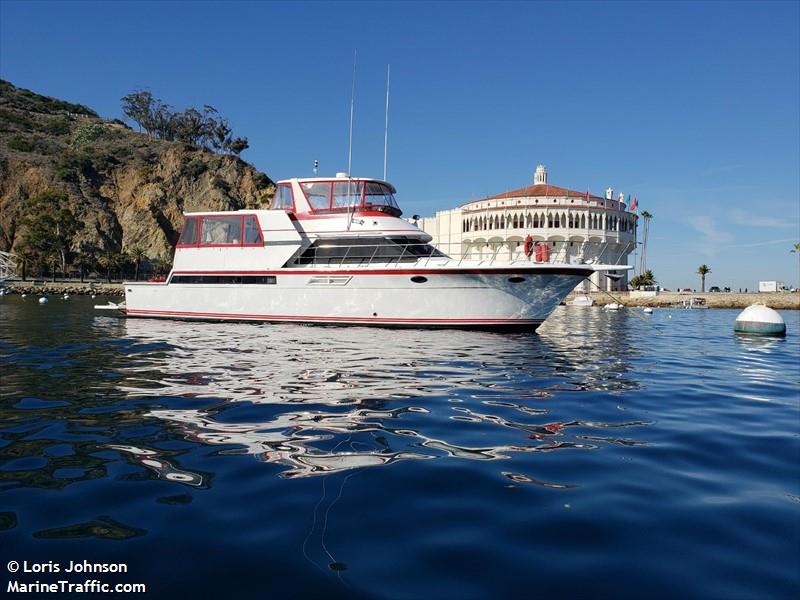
point(48, 229)
point(238, 145)
point(138, 107)
point(201, 128)
point(703, 270)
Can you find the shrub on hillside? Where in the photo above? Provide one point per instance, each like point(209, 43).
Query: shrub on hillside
point(195, 167)
point(14, 118)
point(20, 143)
point(57, 126)
point(85, 134)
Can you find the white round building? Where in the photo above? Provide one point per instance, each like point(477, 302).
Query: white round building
point(573, 226)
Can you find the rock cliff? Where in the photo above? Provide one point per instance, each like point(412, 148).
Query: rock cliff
point(127, 189)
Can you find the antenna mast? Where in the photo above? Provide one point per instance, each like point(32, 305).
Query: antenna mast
point(352, 106)
point(386, 127)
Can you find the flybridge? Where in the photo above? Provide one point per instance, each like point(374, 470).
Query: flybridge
point(319, 195)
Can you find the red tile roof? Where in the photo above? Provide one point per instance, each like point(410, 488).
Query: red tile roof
point(542, 190)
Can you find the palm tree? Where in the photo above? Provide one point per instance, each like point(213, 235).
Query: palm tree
point(137, 255)
point(109, 261)
point(645, 233)
point(24, 258)
point(84, 260)
point(646, 278)
point(703, 270)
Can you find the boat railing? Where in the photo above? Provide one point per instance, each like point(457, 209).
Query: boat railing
point(397, 253)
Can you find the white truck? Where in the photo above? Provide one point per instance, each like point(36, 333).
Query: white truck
point(770, 286)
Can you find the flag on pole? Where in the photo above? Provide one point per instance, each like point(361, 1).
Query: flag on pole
point(587, 195)
point(634, 204)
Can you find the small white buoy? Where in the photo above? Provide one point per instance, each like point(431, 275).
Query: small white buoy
point(648, 310)
point(760, 320)
point(43, 300)
point(93, 296)
point(24, 296)
point(669, 316)
point(66, 296)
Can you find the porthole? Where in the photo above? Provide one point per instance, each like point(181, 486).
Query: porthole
point(419, 279)
point(516, 279)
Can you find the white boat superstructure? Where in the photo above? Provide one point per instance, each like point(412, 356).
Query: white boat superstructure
point(335, 251)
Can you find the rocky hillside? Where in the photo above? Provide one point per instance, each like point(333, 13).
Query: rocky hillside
point(128, 190)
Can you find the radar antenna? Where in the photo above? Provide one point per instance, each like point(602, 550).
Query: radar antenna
point(352, 107)
point(386, 126)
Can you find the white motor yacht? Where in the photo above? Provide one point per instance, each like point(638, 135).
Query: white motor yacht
point(336, 251)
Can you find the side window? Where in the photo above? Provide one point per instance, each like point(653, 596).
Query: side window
point(221, 230)
point(318, 194)
point(347, 193)
point(189, 234)
point(252, 233)
point(283, 198)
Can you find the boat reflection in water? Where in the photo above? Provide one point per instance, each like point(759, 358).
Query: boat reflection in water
point(323, 400)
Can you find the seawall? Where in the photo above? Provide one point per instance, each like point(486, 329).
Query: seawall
point(59, 288)
point(776, 300)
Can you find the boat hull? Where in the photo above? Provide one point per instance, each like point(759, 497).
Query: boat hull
point(515, 299)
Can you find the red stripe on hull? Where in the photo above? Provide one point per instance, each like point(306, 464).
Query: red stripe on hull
point(330, 319)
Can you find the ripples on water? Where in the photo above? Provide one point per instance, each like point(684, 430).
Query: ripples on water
point(611, 455)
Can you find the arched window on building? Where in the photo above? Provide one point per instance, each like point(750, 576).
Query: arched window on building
point(583, 221)
point(535, 224)
point(563, 220)
point(503, 222)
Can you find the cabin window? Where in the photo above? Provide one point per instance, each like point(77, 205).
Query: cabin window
point(189, 235)
point(318, 194)
point(223, 279)
point(221, 230)
point(365, 251)
point(283, 199)
point(347, 193)
point(252, 232)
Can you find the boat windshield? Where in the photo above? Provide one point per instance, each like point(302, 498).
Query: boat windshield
point(336, 196)
point(365, 251)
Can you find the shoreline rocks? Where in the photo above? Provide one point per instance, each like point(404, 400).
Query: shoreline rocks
point(59, 288)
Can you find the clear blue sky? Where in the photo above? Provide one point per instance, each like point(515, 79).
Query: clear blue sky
point(692, 107)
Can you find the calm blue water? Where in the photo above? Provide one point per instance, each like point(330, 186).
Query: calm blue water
point(609, 456)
